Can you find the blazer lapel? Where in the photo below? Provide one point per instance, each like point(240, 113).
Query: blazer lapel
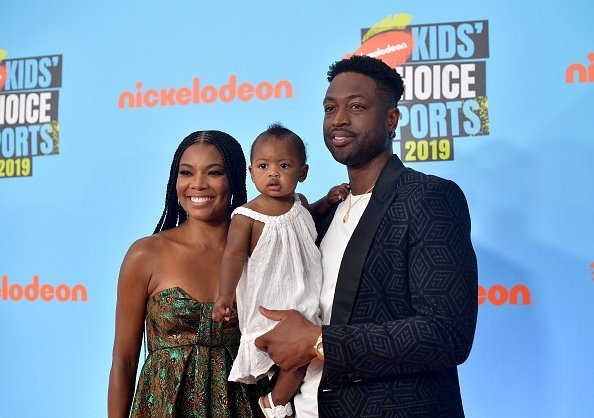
point(356, 251)
point(323, 224)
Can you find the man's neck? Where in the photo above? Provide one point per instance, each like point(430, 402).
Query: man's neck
point(364, 177)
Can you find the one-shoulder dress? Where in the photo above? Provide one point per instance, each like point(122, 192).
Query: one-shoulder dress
point(190, 355)
point(284, 271)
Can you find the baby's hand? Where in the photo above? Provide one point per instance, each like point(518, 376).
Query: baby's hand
point(338, 193)
point(222, 308)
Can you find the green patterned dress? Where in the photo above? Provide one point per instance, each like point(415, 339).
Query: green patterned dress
point(185, 373)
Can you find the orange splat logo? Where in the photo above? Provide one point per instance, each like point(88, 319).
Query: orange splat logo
point(394, 47)
point(2, 70)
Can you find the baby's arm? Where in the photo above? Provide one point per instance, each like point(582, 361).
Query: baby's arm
point(337, 193)
point(234, 257)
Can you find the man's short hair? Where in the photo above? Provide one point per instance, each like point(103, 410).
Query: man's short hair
point(387, 78)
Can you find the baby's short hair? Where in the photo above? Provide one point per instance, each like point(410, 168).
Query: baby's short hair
point(278, 131)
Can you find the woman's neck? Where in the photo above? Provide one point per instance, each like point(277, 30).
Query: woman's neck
point(204, 234)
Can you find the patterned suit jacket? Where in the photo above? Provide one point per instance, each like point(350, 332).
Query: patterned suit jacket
point(405, 305)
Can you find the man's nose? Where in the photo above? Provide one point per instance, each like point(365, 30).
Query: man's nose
point(341, 117)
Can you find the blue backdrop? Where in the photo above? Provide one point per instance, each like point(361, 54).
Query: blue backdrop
point(83, 173)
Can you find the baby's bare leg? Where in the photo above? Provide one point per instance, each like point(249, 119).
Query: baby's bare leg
point(286, 385)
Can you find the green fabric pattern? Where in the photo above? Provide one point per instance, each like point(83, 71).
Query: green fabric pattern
point(185, 373)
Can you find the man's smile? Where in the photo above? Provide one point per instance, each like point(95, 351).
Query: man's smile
point(341, 137)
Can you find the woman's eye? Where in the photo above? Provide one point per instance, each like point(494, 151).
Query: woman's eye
point(184, 173)
point(215, 173)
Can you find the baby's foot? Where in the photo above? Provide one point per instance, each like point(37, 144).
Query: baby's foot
point(271, 410)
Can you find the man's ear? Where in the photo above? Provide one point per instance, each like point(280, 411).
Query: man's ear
point(303, 172)
point(392, 118)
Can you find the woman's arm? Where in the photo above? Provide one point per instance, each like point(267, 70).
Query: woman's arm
point(135, 274)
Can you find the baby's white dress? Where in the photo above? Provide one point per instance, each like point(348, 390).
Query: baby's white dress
point(283, 272)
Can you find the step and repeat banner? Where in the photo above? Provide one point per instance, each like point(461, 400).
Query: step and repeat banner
point(94, 99)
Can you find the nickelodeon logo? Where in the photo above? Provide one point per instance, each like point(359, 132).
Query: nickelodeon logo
point(387, 41)
point(197, 93)
point(46, 292)
point(500, 295)
point(583, 75)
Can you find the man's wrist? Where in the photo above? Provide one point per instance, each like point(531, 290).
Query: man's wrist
point(319, 346)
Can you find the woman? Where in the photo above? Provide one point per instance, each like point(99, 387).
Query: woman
point(169, 279)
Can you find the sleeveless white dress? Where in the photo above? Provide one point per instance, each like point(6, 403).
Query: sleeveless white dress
point(283, 272)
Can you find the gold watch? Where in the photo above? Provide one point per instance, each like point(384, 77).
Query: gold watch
point(319, 347)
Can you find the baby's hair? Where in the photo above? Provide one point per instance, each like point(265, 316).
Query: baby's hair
point(387, 79)
point(173, 214)
point(278, 131)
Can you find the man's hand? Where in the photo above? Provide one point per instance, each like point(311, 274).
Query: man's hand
point(290, 344)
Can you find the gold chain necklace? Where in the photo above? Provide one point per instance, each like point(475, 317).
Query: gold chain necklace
point(345, 218)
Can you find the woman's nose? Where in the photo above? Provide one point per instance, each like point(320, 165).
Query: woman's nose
point(199, 182)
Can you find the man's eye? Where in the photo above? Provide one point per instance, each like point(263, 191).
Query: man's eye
point(357, 106)
point(328, 109)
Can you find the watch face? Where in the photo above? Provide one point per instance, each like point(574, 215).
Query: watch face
point(319, 348)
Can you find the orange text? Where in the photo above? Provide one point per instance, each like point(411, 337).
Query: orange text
point(499, 295)
point(197, 93)
point(583, 74)
point(46, 292)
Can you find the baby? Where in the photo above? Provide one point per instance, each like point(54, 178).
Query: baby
point(271, 258)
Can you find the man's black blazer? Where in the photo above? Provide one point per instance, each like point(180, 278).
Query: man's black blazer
point(405, 305)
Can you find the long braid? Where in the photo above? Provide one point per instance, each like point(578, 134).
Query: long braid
point(173, 214)
point(234, 163)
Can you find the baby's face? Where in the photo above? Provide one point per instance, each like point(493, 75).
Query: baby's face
point(276, 167)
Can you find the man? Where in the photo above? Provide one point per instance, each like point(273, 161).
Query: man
point(399, 296)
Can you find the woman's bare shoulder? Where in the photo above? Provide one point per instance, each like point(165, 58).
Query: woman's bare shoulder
point(146, 245)
point(149, 248)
